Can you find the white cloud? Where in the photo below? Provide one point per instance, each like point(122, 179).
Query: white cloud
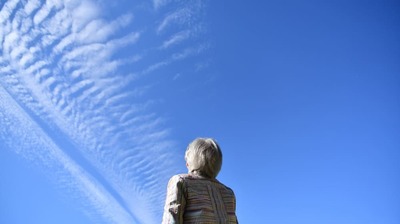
point(17, 51)
point(131, 38)
point(82, 12)
point(10, 41)
point(176, 38)
point(179, 16)
point(35, 67)
point(42, 14)
point(185, 53)
point(31, 6)
point(185, 16)
point(27, 58)
point(7, 9)
point(66, 41)
point(58, 25)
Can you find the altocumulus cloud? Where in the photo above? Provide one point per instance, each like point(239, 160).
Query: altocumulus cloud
point(65, 85)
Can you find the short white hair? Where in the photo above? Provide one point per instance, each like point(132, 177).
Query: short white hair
point(204, 157)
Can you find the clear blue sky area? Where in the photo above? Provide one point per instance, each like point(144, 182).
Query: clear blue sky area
point(99, 99)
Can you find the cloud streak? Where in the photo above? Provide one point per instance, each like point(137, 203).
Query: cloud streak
point(34, 144)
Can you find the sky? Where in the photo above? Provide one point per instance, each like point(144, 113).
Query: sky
point(99, 100)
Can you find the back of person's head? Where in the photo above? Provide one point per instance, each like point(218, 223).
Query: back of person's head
point(204, 156)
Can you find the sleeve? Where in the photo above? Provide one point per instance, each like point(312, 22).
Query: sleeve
point(175, 202)
point(234, 205)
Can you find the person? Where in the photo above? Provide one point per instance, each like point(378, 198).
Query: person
point(198, 197)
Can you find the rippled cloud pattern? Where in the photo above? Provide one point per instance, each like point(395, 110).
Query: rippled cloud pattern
point(73, 84)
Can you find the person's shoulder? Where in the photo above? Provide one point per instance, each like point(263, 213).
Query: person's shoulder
point(176, 181)
point(226, 187)
point(188, 178)
point(178, 178)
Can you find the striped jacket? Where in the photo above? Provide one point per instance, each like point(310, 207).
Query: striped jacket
point(195, 199)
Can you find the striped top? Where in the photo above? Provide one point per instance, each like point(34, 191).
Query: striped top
point(195, 199)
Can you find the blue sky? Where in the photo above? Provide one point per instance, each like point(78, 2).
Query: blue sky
point(99, 99)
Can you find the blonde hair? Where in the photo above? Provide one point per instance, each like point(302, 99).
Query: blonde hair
point(204, 157)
